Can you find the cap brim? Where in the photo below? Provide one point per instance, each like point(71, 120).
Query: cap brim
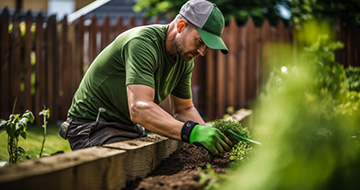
point(213, 41)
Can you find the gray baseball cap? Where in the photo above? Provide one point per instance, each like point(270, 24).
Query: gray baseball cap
point(208, 20)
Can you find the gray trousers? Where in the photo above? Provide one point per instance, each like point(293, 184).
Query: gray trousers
point(87, 134)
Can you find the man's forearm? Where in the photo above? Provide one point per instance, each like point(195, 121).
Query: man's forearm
point(190, 113)
point(155, 119)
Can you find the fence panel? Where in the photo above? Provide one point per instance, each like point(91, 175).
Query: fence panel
point(58, 53)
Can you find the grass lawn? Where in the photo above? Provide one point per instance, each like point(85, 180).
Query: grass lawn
point(33, 142)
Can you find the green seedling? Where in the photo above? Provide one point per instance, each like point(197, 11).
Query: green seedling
point(238, 135)
point(46, 114)
point(16, 126)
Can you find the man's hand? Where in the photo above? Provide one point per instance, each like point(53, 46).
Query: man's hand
point(205, 136)
point(211, 139)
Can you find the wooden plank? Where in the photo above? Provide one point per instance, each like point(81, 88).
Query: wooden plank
point(15, 64)
point(5, 108)
point(39, 67)
point(144, 154)
point(90, 168)
point(252, 80)
point(352, 45)
point(197, 81)
point(72, 65)
point(51, 66)
point(64, 69)
point(232, 44)
point(105, 34)
point(79, 62)
point(356, 61)
point(243, 65)
point(132, 22)
point(119, 26)
point(28, 68)
point(220, 84)
point(92, 39)
point(339, 31)
point(210, 84)
point(349, 47)
point(266, 39)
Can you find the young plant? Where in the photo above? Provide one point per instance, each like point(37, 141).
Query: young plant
point(46, 114)
point(16, 126)
point(242, 146)
point(228, 127)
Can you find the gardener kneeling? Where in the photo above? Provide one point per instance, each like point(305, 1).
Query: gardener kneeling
point(143, 79)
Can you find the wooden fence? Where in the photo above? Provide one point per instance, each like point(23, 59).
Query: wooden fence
point(42, 62)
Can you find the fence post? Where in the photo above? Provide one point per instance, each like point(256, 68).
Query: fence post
point(5, 65)
point(243, 64)
point(15, 64)
point(28, 66)
point(105, 34)
point(220, 83)
point(231, 64)
point(253, 62)
point(40, 74)
point(52, 66)
point(210, 84)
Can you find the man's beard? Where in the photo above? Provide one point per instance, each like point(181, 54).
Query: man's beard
point(187, 56)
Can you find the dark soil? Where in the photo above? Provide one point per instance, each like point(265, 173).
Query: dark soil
point(180, 170)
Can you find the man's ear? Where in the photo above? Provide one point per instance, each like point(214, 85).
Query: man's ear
point(180, 25)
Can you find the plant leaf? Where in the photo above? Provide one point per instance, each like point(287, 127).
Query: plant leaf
point(10, 130)
point(23, 121)
point(45, 112)
point(29, 115)
point(23, 134)
point(3, 123)
point(20, 151)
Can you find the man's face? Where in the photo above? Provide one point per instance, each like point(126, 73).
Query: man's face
point(189, 44)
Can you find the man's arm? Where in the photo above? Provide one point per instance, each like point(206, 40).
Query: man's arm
point(184, 110)
point(146, 113)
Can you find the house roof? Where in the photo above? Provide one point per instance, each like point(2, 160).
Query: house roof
point(113, 8)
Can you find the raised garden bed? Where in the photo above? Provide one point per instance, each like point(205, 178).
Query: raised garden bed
point(181, 170)
point(136, 164)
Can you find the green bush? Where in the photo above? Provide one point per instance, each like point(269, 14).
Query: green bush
point(308, 123)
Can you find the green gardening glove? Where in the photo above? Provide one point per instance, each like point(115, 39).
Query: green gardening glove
point(207, 137)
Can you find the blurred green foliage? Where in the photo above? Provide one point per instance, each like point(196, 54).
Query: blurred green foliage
point(298, 11)
point(348, 11)
point(258, 10)
point(353, 78)
point(308, 122)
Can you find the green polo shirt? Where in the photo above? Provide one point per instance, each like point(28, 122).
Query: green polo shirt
point(137, 56)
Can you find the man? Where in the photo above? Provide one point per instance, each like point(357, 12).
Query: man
point(143, 79)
